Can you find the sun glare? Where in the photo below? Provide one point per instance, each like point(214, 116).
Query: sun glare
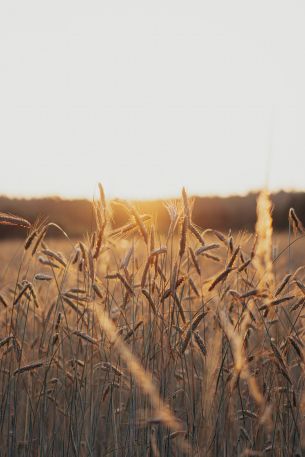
point(201, 99)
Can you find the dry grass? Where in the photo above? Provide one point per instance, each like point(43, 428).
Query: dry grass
point(133, 343)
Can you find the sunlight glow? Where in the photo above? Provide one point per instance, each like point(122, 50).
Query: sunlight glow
point(147, 97)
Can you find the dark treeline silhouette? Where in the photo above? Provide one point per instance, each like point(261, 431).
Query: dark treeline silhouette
point(76, 217)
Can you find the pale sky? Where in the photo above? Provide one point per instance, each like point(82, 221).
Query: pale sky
point(149, 96)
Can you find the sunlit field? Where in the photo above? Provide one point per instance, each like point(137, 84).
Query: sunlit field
point(130, 342)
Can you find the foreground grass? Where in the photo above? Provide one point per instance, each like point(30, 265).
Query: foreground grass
point(131, 343)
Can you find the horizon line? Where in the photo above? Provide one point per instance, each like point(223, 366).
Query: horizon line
point(149, 199)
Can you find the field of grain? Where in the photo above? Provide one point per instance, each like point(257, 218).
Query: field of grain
point(135, 343)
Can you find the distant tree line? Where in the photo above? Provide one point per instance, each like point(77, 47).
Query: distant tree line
point(76, 217)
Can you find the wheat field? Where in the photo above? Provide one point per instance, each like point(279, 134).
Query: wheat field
point(137, 343)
